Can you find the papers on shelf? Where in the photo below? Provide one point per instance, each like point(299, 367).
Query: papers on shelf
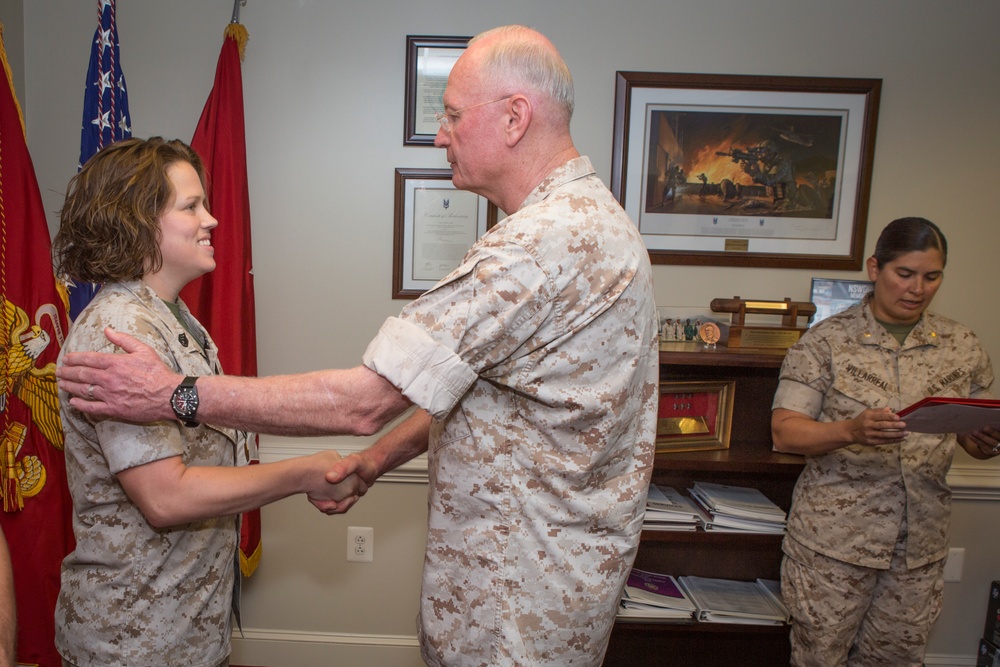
point(731, 601)
point(741, 501)
point(713, 507)
point(656, 588)
point(936, 414)
point(738, 508)
point(773, 588)
point(639, 610)
point(720, 523)
point(668, 509)
point(655, 596)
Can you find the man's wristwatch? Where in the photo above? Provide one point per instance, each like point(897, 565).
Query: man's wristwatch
point(185, 401)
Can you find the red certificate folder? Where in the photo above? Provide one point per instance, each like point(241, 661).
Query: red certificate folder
point(936, 414)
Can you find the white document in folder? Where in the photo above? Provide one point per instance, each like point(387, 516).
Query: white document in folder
point(951, 415)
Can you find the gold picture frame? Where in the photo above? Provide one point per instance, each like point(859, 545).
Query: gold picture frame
point(694, 416)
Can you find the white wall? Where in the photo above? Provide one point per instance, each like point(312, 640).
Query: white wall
point(323, 85)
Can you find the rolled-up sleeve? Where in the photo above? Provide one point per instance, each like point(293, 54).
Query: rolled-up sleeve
point(805, 376)
point(478, 318)
point(430, 375)
point(798, 397)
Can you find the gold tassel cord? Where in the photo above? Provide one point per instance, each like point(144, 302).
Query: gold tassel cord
point(13, 501)
point(9, 487)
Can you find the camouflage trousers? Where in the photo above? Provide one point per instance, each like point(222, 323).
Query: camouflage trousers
point(850, 615)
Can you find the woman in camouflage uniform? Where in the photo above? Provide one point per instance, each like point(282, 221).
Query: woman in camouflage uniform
point(868, 528)
point(156, 506)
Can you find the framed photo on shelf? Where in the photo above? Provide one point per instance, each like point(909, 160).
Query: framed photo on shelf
point(694, 416)
point(833, 295)
point(428, 63)
point(435, 225)
point(748, 171)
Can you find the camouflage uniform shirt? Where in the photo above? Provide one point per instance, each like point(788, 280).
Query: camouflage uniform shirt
point(849, 504)
point(537, 359)
point(133, 594)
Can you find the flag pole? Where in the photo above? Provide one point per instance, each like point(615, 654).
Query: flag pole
point(236, 9)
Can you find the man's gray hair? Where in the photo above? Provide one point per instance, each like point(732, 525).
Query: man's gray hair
point(517, 59)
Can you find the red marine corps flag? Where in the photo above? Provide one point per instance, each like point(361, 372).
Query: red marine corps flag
point(37, 510)
point(223, 300)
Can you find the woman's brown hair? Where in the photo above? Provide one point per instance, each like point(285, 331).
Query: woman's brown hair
point(109, 228)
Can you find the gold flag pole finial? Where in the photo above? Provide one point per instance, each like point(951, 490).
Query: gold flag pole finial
point(235, 29)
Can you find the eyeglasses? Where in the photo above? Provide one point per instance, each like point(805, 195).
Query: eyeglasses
point(444, 117)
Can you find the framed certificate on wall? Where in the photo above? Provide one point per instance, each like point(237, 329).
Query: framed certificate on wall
point(429, 61)
point(435, 225)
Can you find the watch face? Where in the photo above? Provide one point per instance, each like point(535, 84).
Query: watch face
point(185, 402)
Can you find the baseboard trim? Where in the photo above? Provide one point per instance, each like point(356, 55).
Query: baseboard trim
point(950, 660)
point(281, 648)
point(338, 638)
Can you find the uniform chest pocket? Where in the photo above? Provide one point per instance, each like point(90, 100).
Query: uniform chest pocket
point(852, 394)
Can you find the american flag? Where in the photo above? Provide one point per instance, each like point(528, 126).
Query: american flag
point(105, 102)
point(105, 111)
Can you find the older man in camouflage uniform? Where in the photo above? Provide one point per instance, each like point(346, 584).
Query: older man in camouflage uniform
point(535, 366)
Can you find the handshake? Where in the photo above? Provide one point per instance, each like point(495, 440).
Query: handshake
point(335, 483)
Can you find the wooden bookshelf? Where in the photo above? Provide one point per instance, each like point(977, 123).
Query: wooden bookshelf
point(749, 461)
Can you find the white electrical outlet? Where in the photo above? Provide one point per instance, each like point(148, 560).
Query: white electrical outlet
point(360, 544)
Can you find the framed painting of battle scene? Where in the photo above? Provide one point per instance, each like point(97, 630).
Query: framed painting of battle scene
point(733, 170)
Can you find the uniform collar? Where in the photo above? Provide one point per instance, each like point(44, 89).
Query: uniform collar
point(570, 170)
point(873, 333)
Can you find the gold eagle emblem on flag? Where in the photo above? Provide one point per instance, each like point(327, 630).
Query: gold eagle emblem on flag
point(22, 344)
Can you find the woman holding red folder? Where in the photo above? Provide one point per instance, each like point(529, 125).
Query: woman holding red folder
point(868, 528)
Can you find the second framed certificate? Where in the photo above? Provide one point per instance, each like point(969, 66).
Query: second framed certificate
point(435, 225)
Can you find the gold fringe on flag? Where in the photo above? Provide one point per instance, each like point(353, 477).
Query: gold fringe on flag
point(249, 563)
point(238, 33)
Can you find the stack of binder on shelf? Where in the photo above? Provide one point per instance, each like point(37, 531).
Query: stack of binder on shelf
point(730, 601)
point(668, 509)
point(654, 596)
point(773, 589)
point(738, 509)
